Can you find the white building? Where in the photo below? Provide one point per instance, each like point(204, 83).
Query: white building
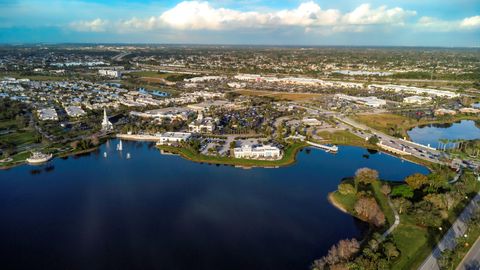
point(169, 138)
point(75, 111)
point(413, 90)
point(248, 151)
point(106, 124)
point(367, 101)
point(202, 124)
point(110, 73)
point(47, 114)
point(417, 100)
point(204, 79)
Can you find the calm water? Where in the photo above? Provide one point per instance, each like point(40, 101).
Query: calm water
point(432, 134)
point(163, 212)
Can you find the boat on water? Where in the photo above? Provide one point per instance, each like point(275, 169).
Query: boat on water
point(38, 158)
point(128, 156)
point(104, 154)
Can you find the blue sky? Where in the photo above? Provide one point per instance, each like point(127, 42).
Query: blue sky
point(290, 22)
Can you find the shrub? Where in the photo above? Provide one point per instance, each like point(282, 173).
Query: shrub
point(346, 188)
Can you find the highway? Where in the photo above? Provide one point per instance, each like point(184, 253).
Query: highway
point(402, 146)
point(119, 57)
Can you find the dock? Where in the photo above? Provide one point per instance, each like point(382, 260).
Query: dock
point(327, 148)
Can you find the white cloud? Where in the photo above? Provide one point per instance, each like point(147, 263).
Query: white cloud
point(96, 25)
point(363, 15)
point(438, 25)
point(197, 15)
point(471, 22)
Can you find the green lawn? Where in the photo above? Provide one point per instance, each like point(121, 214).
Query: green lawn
point(383, 202)
point(413, 243)
point(347, 202)
point(19, 138)
point(7, 124)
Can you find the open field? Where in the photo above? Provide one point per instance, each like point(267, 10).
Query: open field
point(151, 74)
point(36, 77)
point(19, 138)
point(279, 95)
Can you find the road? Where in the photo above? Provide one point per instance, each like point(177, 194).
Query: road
point(471, 261)
point(457, 230)
point(119, 57)
point(411, 148)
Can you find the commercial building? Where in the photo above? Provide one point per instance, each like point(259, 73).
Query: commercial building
point(248, 151)
point(445, 112)
point(413, 90)
point(417, 100)
point(367, 101)
point(202, 124)
point(75, 111)
point(110, 73)
point(47, 114)
point(169, 138)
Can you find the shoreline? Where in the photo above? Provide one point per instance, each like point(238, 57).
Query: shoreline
point(7, 167)
point(336, 204)
point(290, 156)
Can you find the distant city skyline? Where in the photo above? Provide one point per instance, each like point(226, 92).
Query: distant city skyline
point(249, 22)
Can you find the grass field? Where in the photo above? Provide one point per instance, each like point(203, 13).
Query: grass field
point(279, 95)
point(343, 137)
point(35, 77)
point(152, 74)
point(413, 243)
point(19, 138)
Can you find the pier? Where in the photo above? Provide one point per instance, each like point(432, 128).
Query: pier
point(327, 148)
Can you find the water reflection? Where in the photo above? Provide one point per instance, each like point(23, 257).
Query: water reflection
point(163, 212)
point(433, 134)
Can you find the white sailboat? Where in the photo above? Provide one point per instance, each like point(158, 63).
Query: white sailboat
point(128, 155)
point(105, 154)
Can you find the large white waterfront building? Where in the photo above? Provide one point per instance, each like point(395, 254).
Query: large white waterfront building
point(248, 151)
point(169, 138)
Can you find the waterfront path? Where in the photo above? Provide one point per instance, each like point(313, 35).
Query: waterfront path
point(395, 223)
point(457, 230)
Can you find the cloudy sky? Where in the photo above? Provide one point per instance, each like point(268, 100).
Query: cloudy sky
point(290, 22)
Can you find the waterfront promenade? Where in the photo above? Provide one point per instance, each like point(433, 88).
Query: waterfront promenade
point(138, 137)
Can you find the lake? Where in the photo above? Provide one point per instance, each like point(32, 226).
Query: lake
point(433, 133)
point(158, 211)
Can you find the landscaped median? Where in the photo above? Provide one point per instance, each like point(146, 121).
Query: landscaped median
point(289, 156)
